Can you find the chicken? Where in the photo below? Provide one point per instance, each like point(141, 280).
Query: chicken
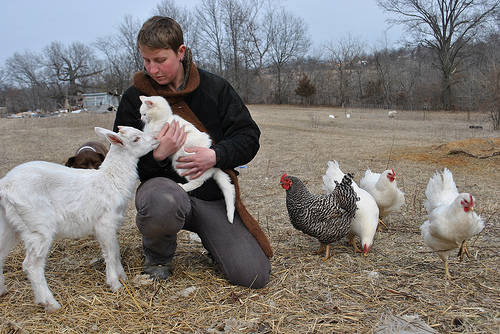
point(365, 223)
point(324, 217)
point(451, 219)
point(384, 189)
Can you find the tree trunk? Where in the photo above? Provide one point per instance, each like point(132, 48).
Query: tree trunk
point(446, 95)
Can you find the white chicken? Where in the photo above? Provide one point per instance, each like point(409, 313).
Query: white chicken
point(384, 189)
point(365, 222)
point(451, 218)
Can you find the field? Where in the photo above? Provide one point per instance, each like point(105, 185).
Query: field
point(400, 283)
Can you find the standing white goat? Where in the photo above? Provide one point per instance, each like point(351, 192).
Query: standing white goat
point(42, 200)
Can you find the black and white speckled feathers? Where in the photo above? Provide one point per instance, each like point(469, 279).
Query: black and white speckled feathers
point(324, 217)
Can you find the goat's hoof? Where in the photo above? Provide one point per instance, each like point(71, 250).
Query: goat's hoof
point(52, 307)
point(115, 287)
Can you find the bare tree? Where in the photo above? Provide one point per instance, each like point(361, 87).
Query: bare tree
point(345, 56)
point(26, 71)
point(241, 18)
point(289, 41)
point(386, 76)
point(127, 37)
point(70, 65)
point(3, 76)
point(258, 44)
point(210, 21)
point(118, 68)
point(481, 89)
point(445, 26)
point(236, 13)
point(185, 18)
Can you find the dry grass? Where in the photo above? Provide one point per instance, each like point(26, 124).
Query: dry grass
point(346, 294)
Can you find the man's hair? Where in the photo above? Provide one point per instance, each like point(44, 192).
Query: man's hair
point(160, 32)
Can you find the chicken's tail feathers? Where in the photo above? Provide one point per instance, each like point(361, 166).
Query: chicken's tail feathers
point(441, 190)
point(425, 229)
point(448, 182)
point(369, 178)
point(333, 173)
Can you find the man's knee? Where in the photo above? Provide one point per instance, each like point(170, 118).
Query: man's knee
point(162, 207)
point(253, 275)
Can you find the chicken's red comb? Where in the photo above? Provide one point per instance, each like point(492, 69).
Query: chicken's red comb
point(393, 173)
point(471, 200)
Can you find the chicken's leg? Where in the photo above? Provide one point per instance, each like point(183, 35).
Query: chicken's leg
point(322, 249)
point(327, 255)
point(463, 250)
point(352, 242)
point(446, 270)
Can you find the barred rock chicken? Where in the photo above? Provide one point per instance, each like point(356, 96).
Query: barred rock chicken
point(384, 189)
point(365, 223)
point(451, 218)
point(324, 217)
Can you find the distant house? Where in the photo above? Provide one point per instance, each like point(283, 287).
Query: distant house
point(95, 101)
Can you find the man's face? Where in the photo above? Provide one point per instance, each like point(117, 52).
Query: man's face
point(163, 65)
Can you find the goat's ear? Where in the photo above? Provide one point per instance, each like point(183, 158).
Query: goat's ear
point(109, 135)
point(114, 139)
point(102, 132)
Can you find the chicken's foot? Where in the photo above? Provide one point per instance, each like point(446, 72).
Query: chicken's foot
point(352, 242)
point(380, 222)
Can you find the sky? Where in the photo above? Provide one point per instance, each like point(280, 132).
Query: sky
point(33, 24)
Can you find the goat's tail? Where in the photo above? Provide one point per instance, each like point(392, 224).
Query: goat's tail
point(227, 188)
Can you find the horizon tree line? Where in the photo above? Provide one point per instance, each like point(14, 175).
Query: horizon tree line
point(448, 61)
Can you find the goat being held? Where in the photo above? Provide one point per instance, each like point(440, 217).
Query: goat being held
point(42, 200)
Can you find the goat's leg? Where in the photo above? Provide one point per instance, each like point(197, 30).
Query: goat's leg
point(8, 239)
point(111, 253)
point(37, 248)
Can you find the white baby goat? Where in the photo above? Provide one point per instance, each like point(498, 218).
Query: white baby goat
point(42, 200)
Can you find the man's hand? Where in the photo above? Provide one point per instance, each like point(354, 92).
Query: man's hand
point(171, 137)
point(197, 163)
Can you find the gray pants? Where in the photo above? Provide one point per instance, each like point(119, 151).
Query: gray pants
point(164, 208)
